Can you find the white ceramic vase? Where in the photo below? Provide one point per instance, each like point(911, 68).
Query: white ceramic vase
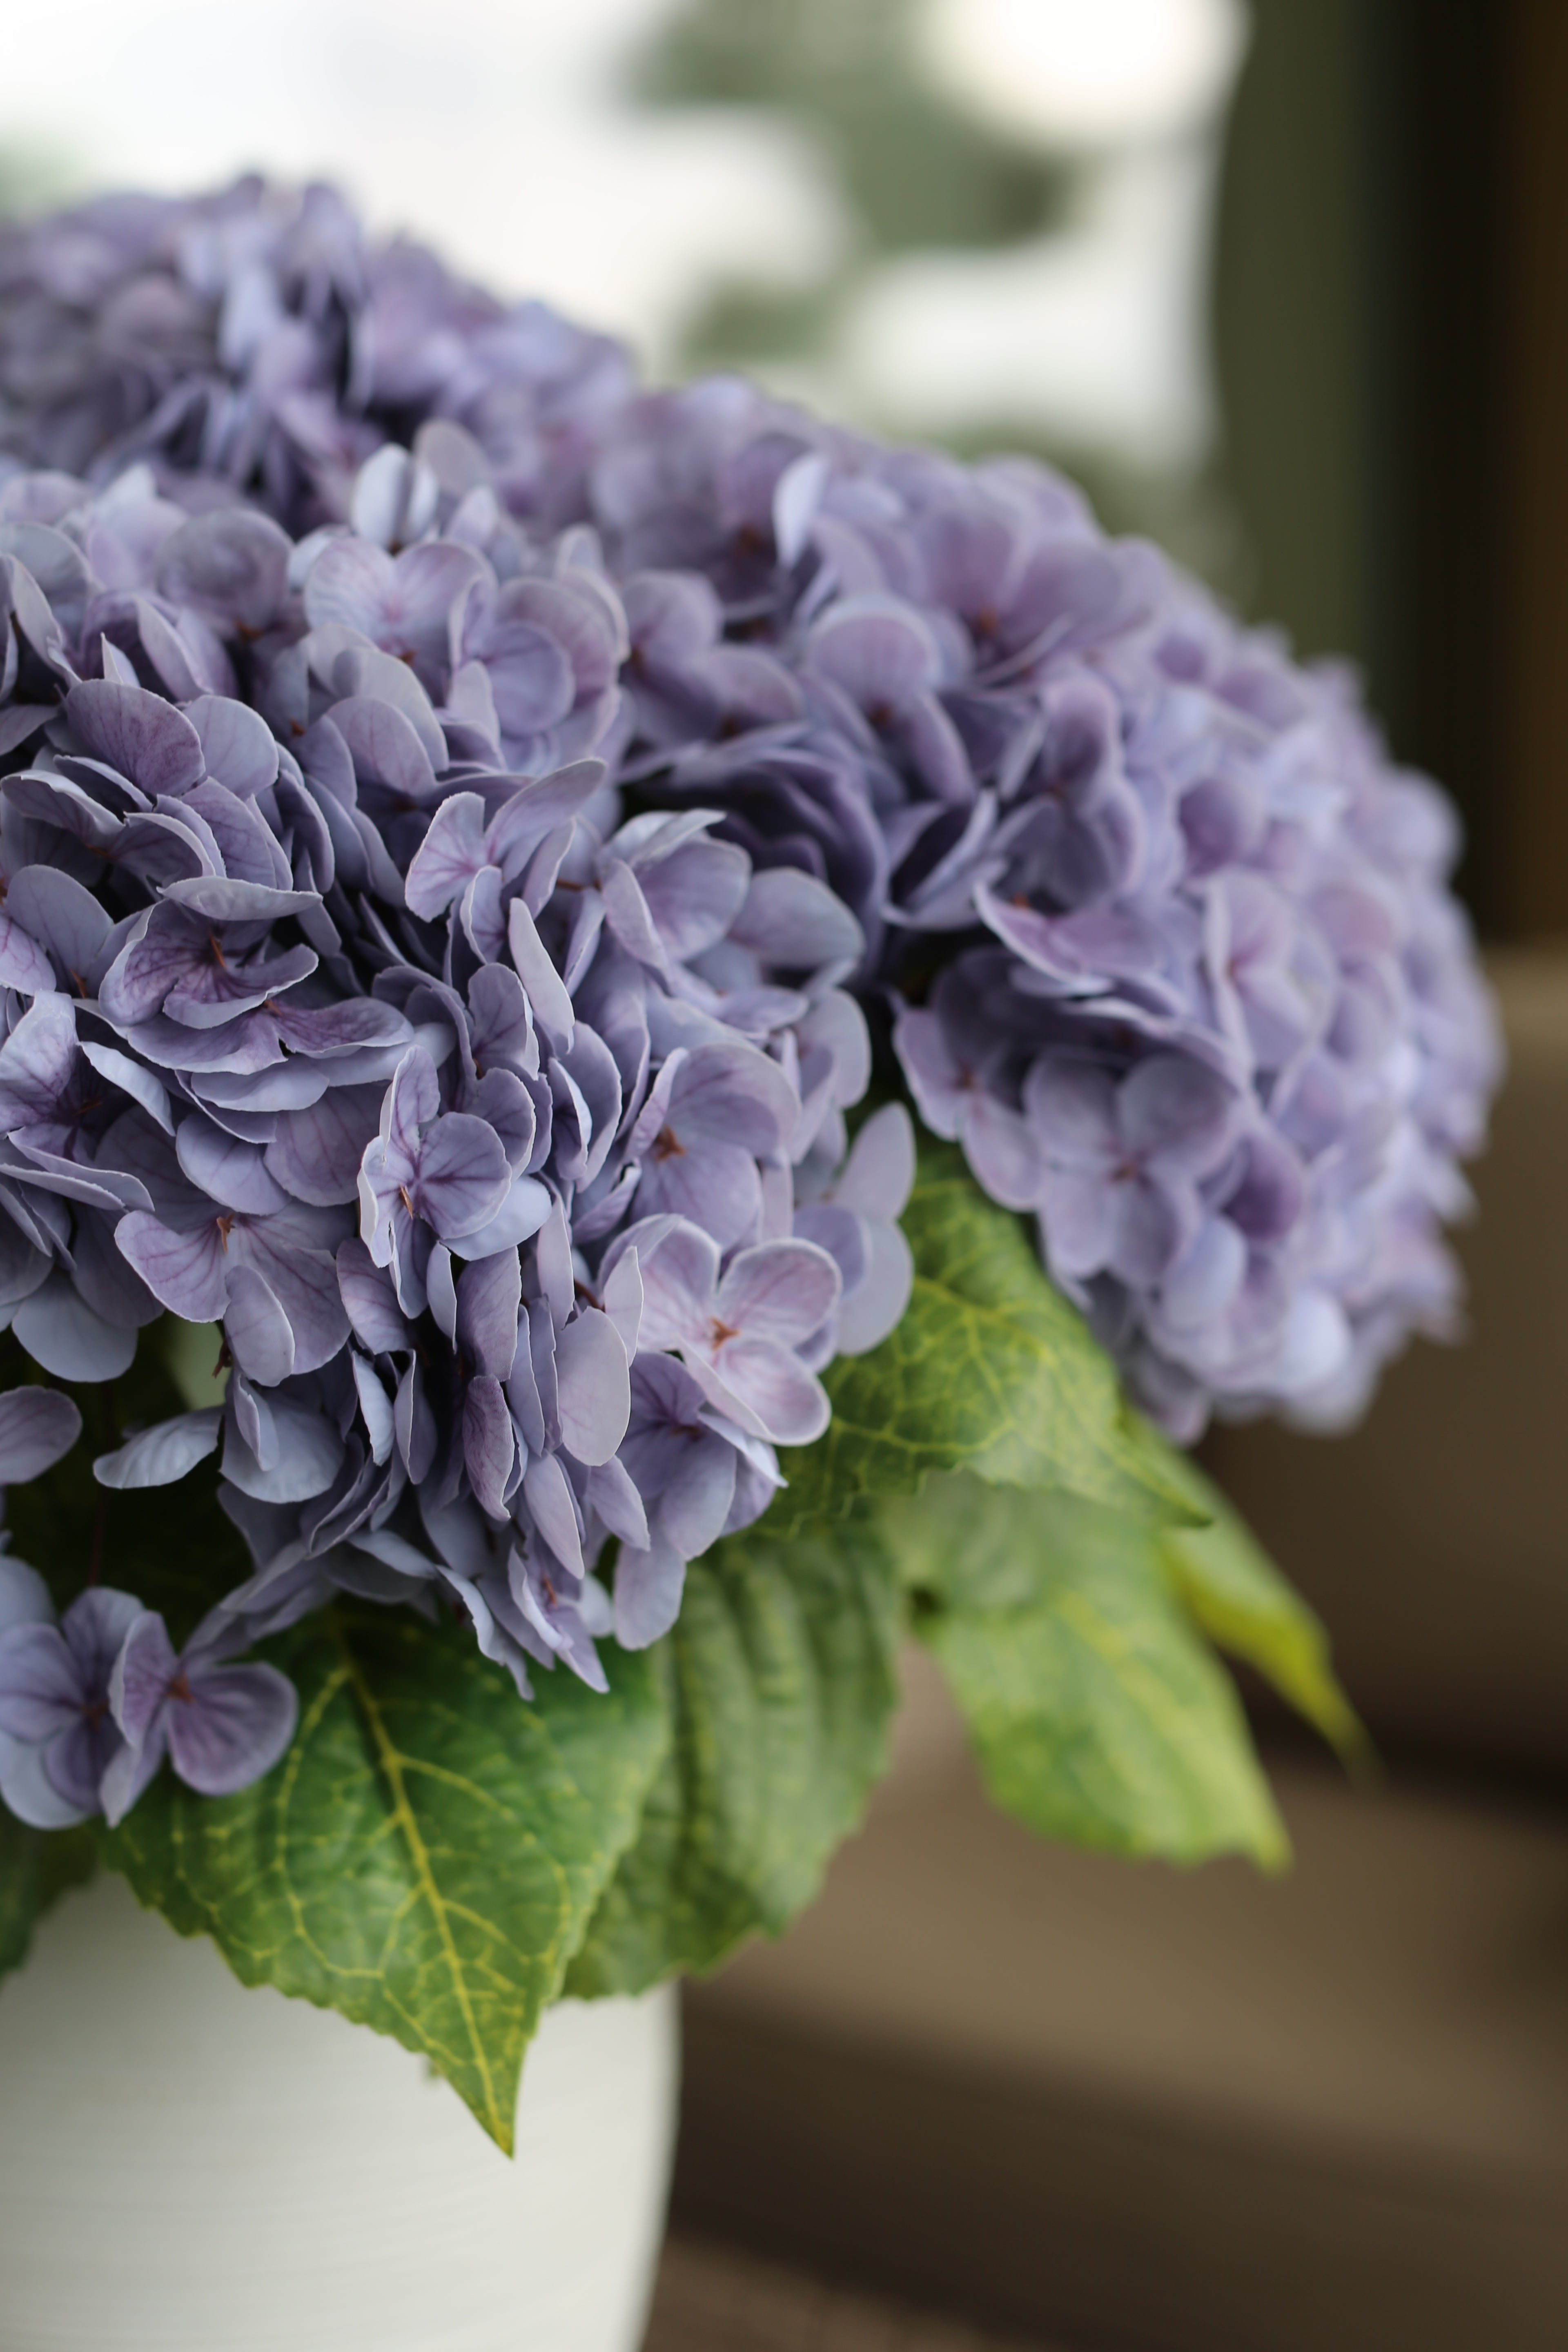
point(189, 2167)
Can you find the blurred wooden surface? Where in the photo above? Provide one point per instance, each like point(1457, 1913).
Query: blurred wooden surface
point(713, 2299)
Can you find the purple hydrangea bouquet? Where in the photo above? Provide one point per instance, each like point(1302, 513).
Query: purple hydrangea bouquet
point(601, 990)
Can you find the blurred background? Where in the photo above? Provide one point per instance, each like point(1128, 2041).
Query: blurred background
point(1283, 283)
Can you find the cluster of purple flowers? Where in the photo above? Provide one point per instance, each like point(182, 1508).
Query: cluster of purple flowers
point(502, 1133)
point(456, 812)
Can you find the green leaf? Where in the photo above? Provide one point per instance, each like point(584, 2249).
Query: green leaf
point(37, 1867)
point(428, 1855)
point(1233, 1590)
point(1096, 1711)
point(991, 1370)
point(782, 1677)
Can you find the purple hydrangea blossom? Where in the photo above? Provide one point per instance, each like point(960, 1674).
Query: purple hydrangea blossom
point(221, 1726)
point(55, 1710)
point(458, 816)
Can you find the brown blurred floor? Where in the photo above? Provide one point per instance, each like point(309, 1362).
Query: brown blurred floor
point(713, 2299)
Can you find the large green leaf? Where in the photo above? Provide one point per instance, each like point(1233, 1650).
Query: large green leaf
point(991, 1370)
point(1232, 1588)
point(35, 1867)
point(1096, 1711)
point(428, 1855)
point(782, 1678)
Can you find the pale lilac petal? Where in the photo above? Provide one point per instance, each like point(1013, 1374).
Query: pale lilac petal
point(316, 1153)
point(234, 1726)
point(623, 1297)
point(779, 1291)
point(1199, 1289)
point(463, 1176)
point(185, 1271)
point(41, 1682)
point(60, 1331)
point(139, 734)
point(250, 851)
point(375, 1406)
point(1004, 1151)
point(36, 1427)
point(628, 916)
point(212, 898)
point(546, 989)
point(227, 1169)
point(413, 1099)
point(878, 1175)
point(257, 1328)
point(253, 1417)
point(23, 962)
point(553, 1512)
point(414, 1424)
point(66, 917)
point(694, 894)
point(841, 1234)
point(592, 1387)
point(489, 1443)
point(133, 1079)
point(230, 565)
point(1179, 1113)
point(145, 1667)
point(696, 1503)
point(1071, 1107)
point(526, 1207)
point(292, 1254)
point(1077, 1210)
point(441, 1290)
point(934, 1076)
point(734, 1094)
point(680, 1271)
point(880, 652)
point(501, 1028)
point(370, 1300)
point(649, 1589)
point(876, 1304)
point(489, 1297)
point(238, 745)
point(715, 1185)
point(451, 853)
point(29, 1792)
point(131, 1771)
point(788, 1403)
point(159, 1455)
point(340, 1030)
point(37, 1061)
point(503, 1102)
point(310, 1455)
point(75, 1759)
point(385, 747)
point(1154, 1223)
point(24, 1595)
point(95, 1627)
point(796, 923)
point(612, 1493)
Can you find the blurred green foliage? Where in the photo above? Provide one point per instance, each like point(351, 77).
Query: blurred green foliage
point(915, 170)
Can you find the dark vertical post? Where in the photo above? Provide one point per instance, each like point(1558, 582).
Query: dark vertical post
point(1534, 486)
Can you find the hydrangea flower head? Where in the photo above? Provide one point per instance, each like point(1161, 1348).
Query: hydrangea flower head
point(464, 823)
